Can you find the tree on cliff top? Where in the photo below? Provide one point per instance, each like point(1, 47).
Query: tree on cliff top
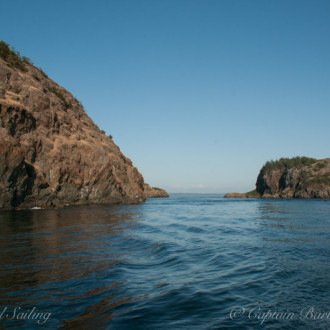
point(287, 163)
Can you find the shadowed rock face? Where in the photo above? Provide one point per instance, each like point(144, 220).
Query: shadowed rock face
point(303, 182)
point(51, 152)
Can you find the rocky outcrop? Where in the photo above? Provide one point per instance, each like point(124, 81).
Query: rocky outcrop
point(153, 192)
point(51, 152)
point(303, 181)
point(234, 195)
point(250, 194)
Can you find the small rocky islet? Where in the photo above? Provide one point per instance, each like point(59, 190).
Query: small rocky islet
point(297, 177)
point(51, 152)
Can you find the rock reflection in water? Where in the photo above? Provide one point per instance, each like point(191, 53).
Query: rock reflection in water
point(67, 255)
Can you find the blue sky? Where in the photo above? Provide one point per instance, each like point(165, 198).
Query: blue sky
point(199, 94)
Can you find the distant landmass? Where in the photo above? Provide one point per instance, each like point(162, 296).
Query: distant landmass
point(51, 152)
point(298, 177)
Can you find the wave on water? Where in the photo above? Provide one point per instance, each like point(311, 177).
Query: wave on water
point(189, 261)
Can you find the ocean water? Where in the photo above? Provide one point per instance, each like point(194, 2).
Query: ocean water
point(186, 262)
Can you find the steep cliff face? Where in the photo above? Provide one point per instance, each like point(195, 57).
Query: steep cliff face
point(51, 152)
point(303, 181)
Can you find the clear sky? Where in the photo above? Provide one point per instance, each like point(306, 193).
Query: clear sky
point(198, 93)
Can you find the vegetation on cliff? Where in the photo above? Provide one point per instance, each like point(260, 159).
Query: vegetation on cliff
point(287, 163)
point(13, 58)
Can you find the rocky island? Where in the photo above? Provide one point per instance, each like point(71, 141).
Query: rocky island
point(51, 152)
point(298, 177)
point(250, 194)
point(154, 192)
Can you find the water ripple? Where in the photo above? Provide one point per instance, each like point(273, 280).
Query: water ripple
point(177, 263)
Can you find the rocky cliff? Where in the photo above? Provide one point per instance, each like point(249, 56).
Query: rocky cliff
point(51, 152)
point(299, 177)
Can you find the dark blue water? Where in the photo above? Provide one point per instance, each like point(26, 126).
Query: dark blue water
point(186, 262)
